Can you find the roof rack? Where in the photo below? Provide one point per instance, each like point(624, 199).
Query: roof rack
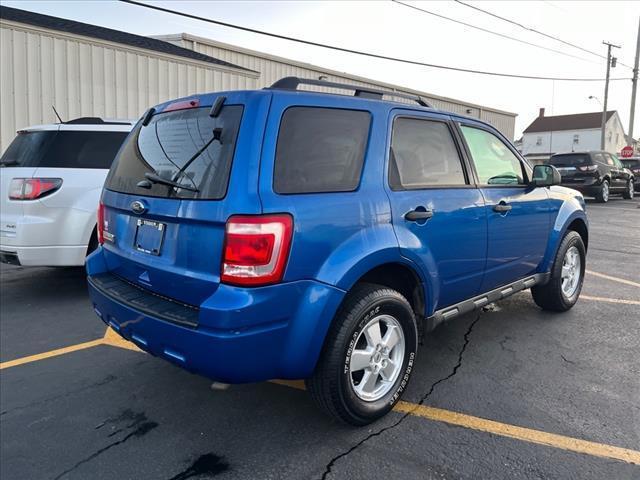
point(292, 83)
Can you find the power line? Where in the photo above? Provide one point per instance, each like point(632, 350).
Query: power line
point(524, 27)
point(460, 22)
point(359, 52)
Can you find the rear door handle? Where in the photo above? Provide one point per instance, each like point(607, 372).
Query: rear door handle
point(418, 215)
point(502, 207)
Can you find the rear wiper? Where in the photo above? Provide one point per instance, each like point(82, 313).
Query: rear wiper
point(9, 163)
point(155, 178)
point(217, 135)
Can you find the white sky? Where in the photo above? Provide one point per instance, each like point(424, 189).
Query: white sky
point(390, 29)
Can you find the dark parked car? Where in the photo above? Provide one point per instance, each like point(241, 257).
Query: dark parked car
point(596, 174)
point(633, 164)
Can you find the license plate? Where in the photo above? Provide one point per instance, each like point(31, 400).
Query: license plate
point(149, 236)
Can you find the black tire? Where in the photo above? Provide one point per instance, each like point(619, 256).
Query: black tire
point(628, 193)
point(93, 243)
point(601, 197)
point(330, 385)
point(550, 295)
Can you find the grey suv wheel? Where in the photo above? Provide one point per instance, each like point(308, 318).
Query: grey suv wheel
point(629, 192)
point(562, 290)
point(603, 194)
point(368, 356)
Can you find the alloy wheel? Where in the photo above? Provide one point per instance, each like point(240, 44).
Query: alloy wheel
point(571, 272)
point(377, 357)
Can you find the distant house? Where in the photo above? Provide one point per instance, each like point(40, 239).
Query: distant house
point(568, 133)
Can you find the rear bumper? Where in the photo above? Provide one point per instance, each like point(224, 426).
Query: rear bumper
point(242, 334)
point(587, 186)
point(61, 256)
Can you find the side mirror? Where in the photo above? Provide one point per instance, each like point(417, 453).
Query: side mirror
point(545, 176)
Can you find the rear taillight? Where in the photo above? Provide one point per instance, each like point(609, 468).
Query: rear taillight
point(256, 249)
point(588, 168)
point(100, 223)
point(33, 188)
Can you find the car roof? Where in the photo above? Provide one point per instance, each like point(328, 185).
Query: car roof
point(207, 99)
point(89, 124)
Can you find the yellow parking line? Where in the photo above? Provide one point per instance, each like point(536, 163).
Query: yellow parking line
point(610, 300)
point(49, 354)
point(520, 433)
point(614, 279)
point(110, 338)
point(115, 340)
point(431, 413)
point(505, 430)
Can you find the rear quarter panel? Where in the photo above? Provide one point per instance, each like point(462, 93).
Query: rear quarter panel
point(337, 236)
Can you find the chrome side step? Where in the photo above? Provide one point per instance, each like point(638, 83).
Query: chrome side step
point(480, 301)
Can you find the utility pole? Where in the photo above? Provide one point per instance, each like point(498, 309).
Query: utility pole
point(606, 90)
point(634, 87)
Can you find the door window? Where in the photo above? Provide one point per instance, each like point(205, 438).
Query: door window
point(495, 163)
point(423, 154)
point(609, 160)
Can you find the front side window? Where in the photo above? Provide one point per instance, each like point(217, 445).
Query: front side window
point(186, 146)
point(423, 154)
point(495, 163)
point(320, 150)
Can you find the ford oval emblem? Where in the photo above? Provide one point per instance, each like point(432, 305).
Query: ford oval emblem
point(138, 207)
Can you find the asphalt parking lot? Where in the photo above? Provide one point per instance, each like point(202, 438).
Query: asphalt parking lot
point(511, 392)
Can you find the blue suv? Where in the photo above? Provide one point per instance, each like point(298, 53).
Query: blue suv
point(286, 233)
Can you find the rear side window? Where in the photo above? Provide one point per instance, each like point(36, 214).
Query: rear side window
point(423, 154)
point(570, 160)
point(180, 146)
point(320, 150)
point(495, 163)
point(631, 163)
point(64, 149)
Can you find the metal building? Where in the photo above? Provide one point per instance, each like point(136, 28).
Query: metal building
point(86, 70)
point(272, 68)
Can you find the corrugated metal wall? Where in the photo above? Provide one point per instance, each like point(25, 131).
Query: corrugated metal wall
point(273, 68)
point(86, 77)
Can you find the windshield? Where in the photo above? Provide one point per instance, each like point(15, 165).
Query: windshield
point(569, 160)
point(63, 149)
point(167, 144)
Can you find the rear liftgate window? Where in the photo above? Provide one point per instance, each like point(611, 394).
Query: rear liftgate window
point(320, 150)
point(64, 149)
point(168, 147)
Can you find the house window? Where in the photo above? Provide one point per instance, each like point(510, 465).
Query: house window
point(539, 141)
point(576, 139)
point(617, 138)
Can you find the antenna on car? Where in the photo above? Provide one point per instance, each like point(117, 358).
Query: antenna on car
point(57, 114)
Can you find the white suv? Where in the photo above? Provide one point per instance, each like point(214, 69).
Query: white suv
point(51, 177)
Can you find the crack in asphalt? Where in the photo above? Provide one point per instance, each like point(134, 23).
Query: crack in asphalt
point(333, 461)
point(106, 380)
point(139, 421)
